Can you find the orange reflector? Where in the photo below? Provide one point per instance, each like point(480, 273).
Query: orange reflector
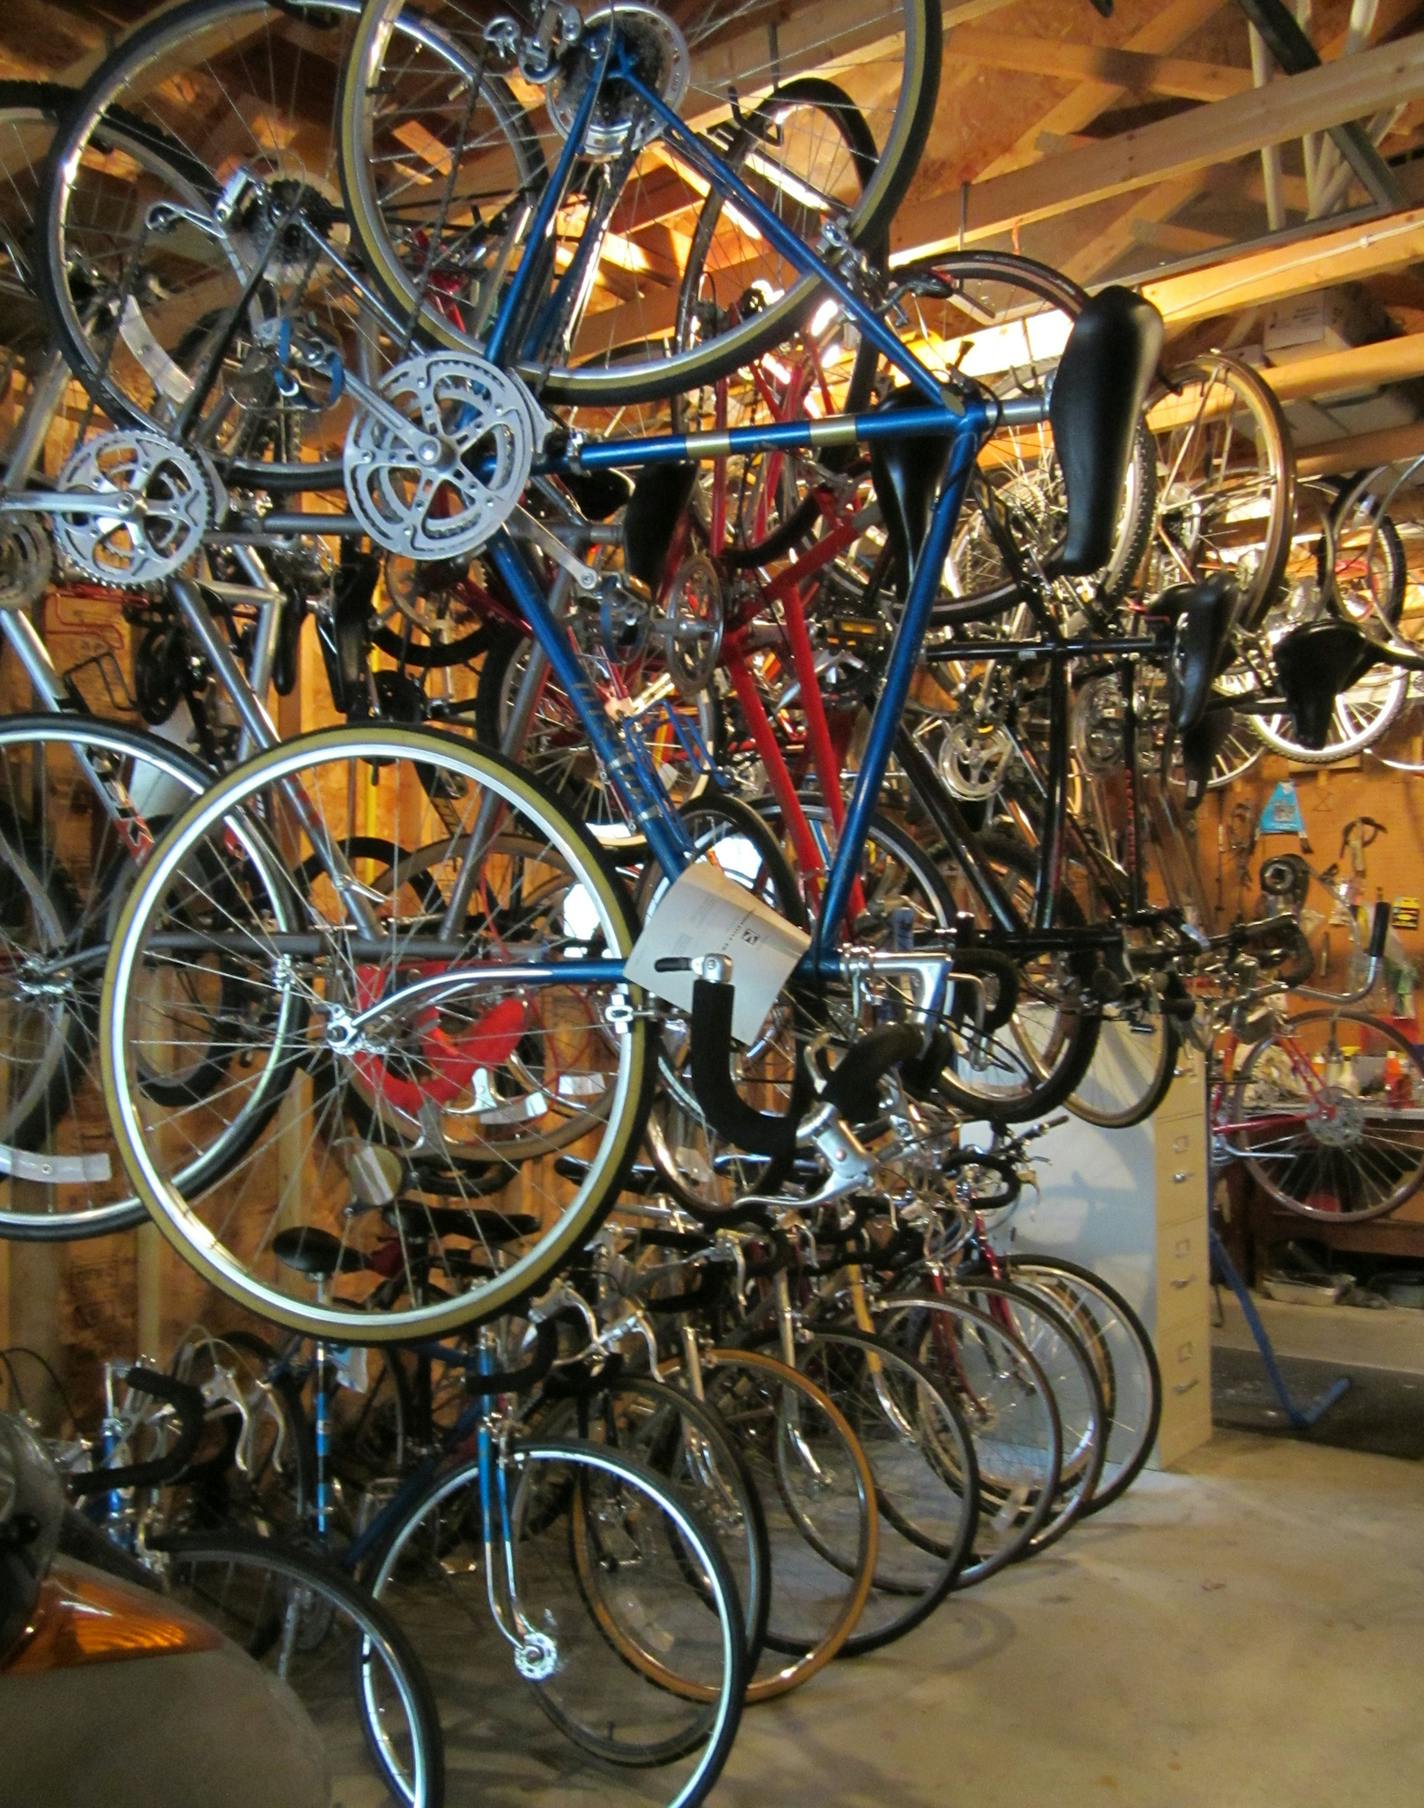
point(82, 1617)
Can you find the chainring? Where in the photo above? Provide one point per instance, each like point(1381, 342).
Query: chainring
point(690, 625)
point(171, 495)
point(443, 486)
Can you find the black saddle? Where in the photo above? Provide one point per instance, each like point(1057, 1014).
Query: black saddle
point(1317, 662)
point(1098, 391)
point(316, 1252)
point(658, 502)
point(1202, 614)
point(600, 494)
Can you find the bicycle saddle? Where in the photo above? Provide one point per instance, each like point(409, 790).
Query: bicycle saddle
point(1201, 743)
point(907, 475)
point(1315, 663)
point(659, 501)
point(1098, 393)
point(315, 1252)
point(1202, 614)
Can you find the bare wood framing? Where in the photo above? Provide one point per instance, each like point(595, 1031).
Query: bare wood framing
point(1218, 132)
point(1134, 71)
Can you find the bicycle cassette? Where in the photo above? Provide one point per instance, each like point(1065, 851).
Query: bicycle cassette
point(657, 51)
point(153, 502)
point(26, 561)
point(438, 461)
point(689, 626)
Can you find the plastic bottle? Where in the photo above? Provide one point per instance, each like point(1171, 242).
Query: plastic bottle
point(1349, 1080)
point(1398, 1079)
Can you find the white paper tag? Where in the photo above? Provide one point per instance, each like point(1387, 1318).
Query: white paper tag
point(703, 912)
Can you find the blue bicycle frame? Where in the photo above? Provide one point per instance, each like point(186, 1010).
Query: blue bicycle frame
point(966, 421)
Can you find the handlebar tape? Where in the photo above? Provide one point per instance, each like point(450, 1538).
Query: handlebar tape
point(1379, 931)
point(852, 1088)
point(187, 1402)
point(757, 1132)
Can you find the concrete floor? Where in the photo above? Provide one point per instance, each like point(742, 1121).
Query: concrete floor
point(1247, 1631)
point(1386, 1337)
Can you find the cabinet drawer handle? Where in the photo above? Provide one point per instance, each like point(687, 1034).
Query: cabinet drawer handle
point(1181, 1175)
point(1185, 1387)
point(1185, 1281)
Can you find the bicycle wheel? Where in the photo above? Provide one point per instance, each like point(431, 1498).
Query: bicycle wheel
point(430, 1062)
point(926, 1479)
point(1132, 1376)
point(80, 803)
point(519, 1634)
point(442, 229)
point(1030, 1063)
point(30, 115)
point(185, 205)
point(1074, 1362)
point(1318, 1141)
point(766, 505)
point(686, 1445)
point(1133, 1065)
point(817, 1494)
point(1226, 490)
point(1008, 1404)
point(340, 1652)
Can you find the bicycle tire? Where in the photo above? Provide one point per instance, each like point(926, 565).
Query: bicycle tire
point(195, 1559)
point(598, 1412)
point(925, 1540)
point(398, 1571)
point(153, 130)
point(1133, 1352)
point(741, 1386)
point(1073, 1373)
point(1277, 484)
point(1319, 1186)
point(38, 765)
point(1117, 1092)
point(918, 79)
point(1012, 1414)
point(1070, 1036)
point(408, 762)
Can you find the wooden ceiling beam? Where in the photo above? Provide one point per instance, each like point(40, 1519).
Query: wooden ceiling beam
point(833, 36)
point(1363, 452)
point(1356, 371)
point(1173, 25)
point(1254, 278)
point(1215, 133)
point(1133, 71)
